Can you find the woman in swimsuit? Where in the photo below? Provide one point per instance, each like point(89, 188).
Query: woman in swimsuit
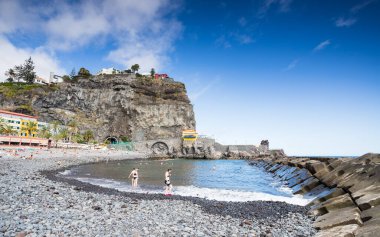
point(135, 176)
point(168, 187)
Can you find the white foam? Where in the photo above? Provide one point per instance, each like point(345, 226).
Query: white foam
point(65, 172)
point(207, 193)
point(236, 196)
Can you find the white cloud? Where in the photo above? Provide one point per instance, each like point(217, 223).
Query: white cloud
point(322, 45)
point(360, 6)
point(225, 41)
point(75, 27)
point(141, 32)
point(349, 21)
point(11, 56)
point(201, 91)
point(283, 6)
point(292, 65)
point(14, 17)
point(345, 22)
point(242, 21)
point(222, 42)
point(244, 39)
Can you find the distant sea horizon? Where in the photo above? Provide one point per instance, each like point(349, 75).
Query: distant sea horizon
point(323, 156)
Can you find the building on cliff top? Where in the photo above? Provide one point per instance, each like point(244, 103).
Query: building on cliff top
point(108, 71)
point(40, 80)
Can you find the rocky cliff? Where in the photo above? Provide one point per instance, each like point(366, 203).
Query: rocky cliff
point(110, 106)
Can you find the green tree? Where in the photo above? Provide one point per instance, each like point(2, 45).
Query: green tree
point(44, 132)
point(11, 75)
point(66, 78)
point(125, 139)
point(56, 137)
point(30, 128)
point(77, 138)
point(152, 72)
point(135, 68)
point(26, 71)
point(73, 74)
point(83, 72)
point(8, 130)
point(56, 125)
point(63, 134)
point(73, 129)
point(2, 125)
point(88, 135)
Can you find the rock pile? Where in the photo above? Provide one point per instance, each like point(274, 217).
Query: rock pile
point(345, 192)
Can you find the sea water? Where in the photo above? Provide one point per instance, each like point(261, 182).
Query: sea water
point(222, 180)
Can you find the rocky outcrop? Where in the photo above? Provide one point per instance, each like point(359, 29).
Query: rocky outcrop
point(112, 106)
point(248, 151)
point(344, 192)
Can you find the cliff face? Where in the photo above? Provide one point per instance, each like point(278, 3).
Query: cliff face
point(111, 106)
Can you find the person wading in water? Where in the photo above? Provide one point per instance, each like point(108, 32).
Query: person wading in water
point(135, 176)
point(168, 187)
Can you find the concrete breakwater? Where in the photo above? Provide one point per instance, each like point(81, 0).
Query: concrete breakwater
point(344, 193)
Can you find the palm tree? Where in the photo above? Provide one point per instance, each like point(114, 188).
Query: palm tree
point(8, 130)
point(73, 129)
point(63, 133)
point(77, 138)
point(44, 132)
point(2, 125)
point(30, 128)
point(56, 125)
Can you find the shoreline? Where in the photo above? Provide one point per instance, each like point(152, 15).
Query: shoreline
point(210, 206)
point(213, 217)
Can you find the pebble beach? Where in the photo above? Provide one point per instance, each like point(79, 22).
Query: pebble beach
point(35, 201)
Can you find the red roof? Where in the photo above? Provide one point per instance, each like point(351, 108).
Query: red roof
point(17, 114)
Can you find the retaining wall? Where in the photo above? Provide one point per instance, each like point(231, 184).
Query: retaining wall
point(344, 192)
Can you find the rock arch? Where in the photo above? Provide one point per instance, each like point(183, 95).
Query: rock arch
point(160, 148)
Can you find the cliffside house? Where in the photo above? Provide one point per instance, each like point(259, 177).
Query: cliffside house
point(108, 71)
point(160, 76)
point(40, 80)
point(55, 78)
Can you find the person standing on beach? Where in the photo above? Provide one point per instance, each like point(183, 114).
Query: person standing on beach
point(135, 176)
point(169, 187)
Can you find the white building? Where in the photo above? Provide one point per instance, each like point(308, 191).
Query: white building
point(55, 78)
point(40, 80)
point(107, 71)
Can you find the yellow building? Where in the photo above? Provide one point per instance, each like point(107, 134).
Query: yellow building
point(20, 123)
point(189, 135)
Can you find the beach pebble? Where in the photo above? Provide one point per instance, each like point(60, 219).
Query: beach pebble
point(33, 205)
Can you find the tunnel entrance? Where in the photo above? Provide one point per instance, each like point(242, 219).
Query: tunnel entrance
point(111, 140)
point(160, 148)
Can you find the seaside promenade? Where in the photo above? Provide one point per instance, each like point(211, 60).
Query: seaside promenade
point(36, 203)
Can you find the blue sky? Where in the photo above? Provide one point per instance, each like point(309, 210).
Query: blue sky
point(303, 74)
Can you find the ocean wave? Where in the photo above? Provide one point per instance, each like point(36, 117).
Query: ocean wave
point(207, 193)
point(65, 172)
